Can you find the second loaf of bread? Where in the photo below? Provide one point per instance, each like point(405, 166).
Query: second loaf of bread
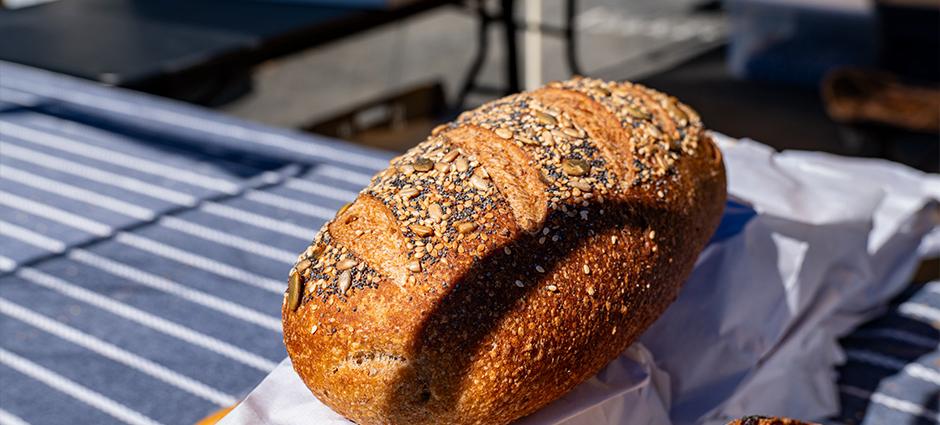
point(505, 259)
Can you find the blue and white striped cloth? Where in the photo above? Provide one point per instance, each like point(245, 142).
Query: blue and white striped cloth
point(144, 246)
point(892, 373)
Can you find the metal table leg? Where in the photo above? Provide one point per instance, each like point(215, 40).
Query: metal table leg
point(512, 52)
point(506, 17)
point(571, 45)
point(469, 82)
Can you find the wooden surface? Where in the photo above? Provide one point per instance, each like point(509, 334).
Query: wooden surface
point(216, 416)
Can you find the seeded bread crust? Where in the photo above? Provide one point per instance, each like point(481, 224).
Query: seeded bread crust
point(505, 259)
point(764, 420)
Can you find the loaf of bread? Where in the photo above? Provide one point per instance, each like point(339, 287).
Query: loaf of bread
point(505, 259)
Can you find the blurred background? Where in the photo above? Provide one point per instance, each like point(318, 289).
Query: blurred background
point(852, 77)
point(163, 161)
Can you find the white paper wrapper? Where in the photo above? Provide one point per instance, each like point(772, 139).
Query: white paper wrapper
point(810, 246)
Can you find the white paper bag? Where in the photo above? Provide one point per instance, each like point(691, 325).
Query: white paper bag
point(810, 246)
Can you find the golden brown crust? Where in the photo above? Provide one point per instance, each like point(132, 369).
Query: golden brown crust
point(368, 229)
point(508, 165)
point(602, 128)
point(507, 258)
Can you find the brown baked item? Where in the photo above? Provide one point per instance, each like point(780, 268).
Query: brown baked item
point(765, 420)
point(859, 96)
point(505, 259)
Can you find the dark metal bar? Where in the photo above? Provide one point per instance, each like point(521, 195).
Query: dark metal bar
point(512, 51)
point(482, 48)
point(571, 44)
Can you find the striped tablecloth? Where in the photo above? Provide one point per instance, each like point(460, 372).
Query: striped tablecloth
point(144, 246)
point(892, 373)
point(144, 249)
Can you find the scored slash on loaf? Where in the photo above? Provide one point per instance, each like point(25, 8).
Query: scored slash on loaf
point(505, 259)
